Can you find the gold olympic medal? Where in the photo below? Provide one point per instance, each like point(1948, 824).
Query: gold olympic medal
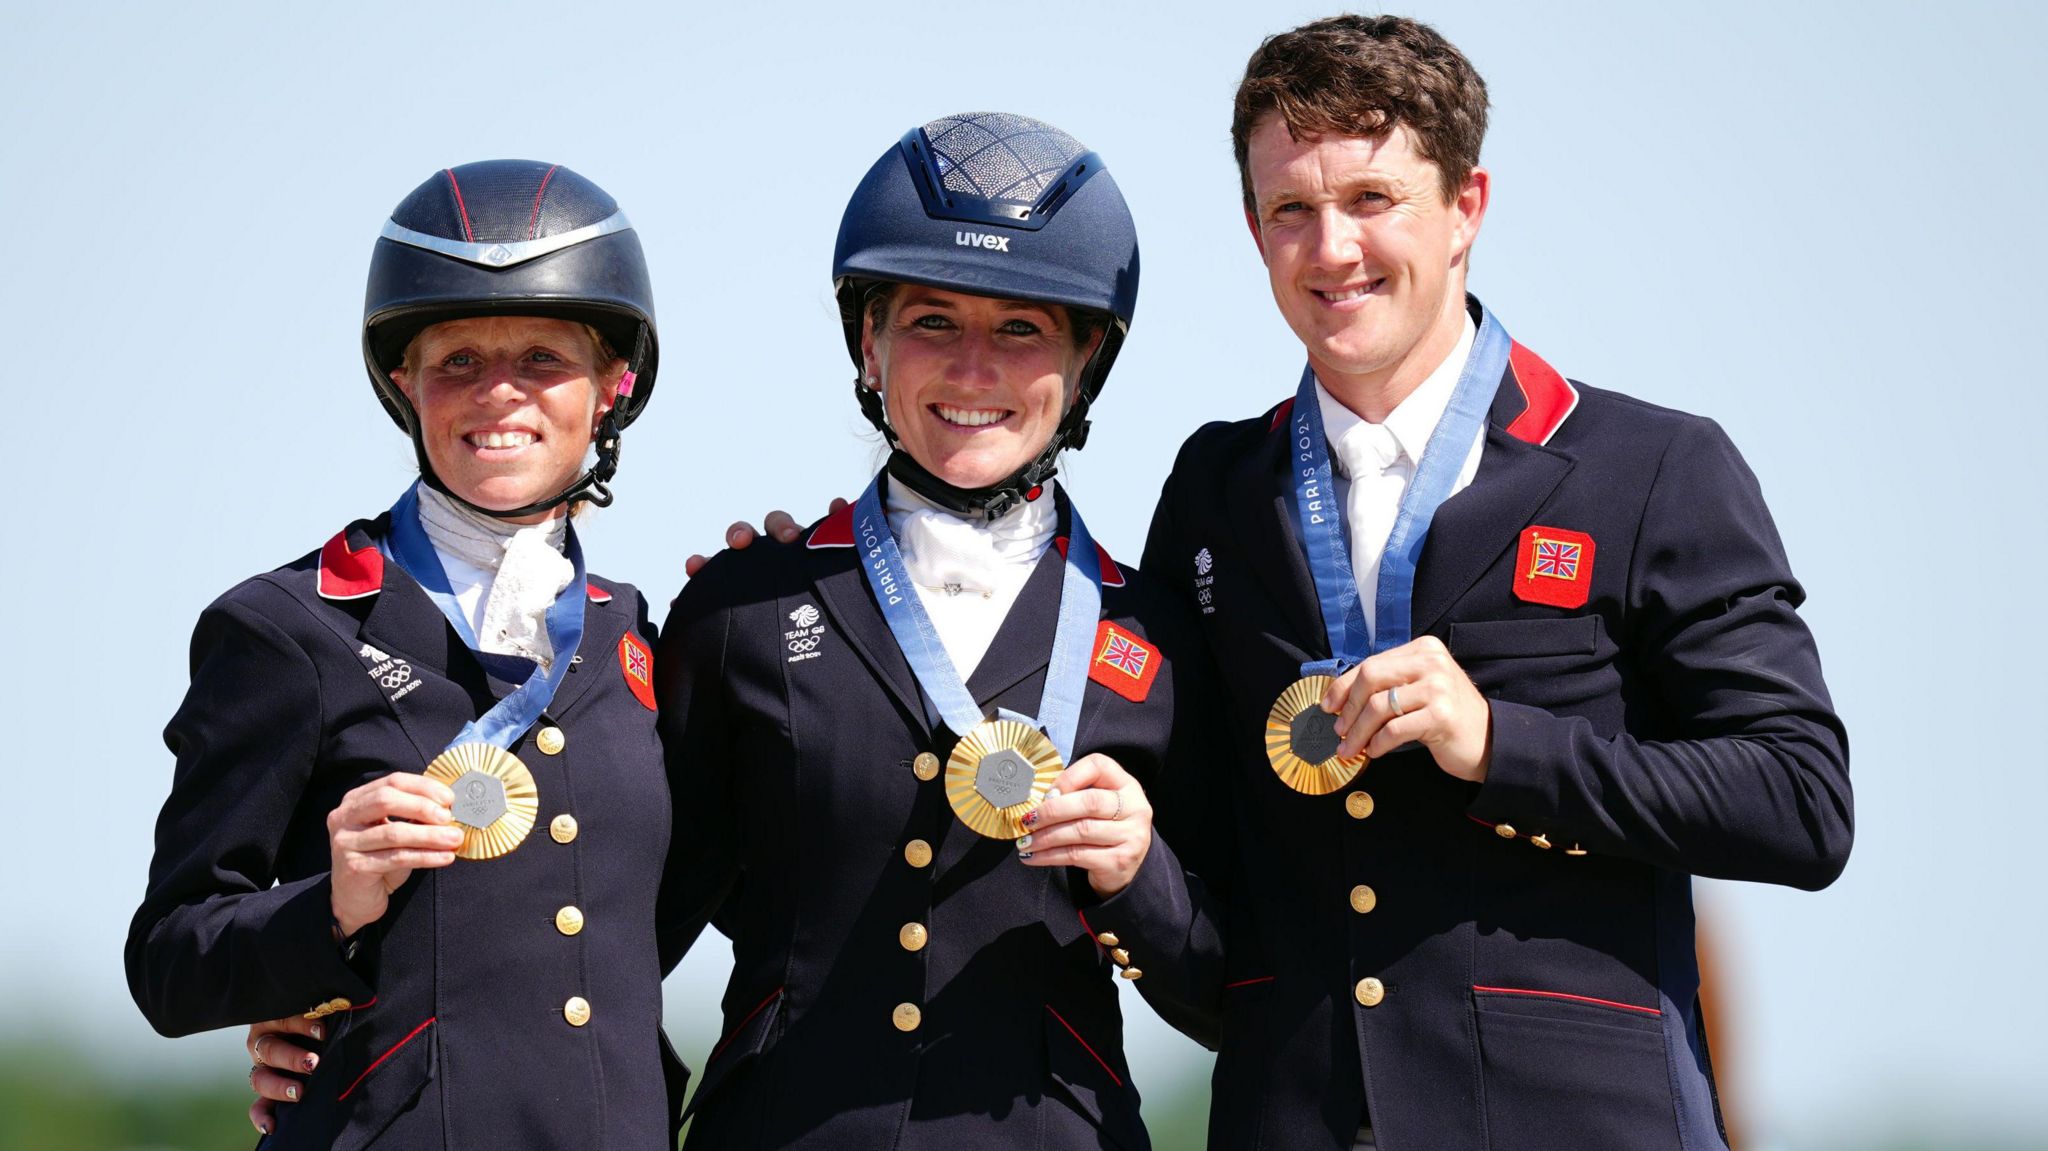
point(1301, 740)
point(997, 773)
point(495, 797)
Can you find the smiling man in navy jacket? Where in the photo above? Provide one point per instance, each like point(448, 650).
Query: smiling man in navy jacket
point(1558, 621)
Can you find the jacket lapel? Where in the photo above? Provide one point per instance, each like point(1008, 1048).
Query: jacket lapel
point(1474, 527)
point(1262, 514)
point(843, 589)
point(603, 624)
point(1023, 644)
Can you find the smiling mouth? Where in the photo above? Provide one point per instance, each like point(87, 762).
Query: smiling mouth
point(487, 440)
point(969, 417)
point(1345, 295)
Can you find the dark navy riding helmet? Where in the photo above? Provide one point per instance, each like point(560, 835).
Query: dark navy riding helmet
point(992, 204)
point(520, 238)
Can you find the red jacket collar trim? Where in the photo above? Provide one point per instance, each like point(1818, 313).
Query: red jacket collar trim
point(835, 531)
point(1548, 397)
point(1112, 575)
point(597, 594)
point(1280, 414)
point(350, 574)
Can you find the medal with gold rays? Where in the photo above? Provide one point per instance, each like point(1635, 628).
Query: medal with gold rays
point(998, 773)
point(1301, 740)
point(495, 797)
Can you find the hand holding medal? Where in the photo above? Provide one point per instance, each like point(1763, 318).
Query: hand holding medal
point(1415, 693)
point(1097, 818)
point(376, 837)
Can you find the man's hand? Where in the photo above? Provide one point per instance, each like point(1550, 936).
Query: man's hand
point(1415, 693)
point(778, 525)
point(1096, 818)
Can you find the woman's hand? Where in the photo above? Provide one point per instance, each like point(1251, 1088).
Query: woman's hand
point(1096, 818)
point(380, 833)
point(778, 525)
point(277, 1066)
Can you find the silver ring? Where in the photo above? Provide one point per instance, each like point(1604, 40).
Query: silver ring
point(1394, 701)
point(256, 1052)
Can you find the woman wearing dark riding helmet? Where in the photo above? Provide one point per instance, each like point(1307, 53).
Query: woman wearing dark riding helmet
point(373, 730)
point(914, 746)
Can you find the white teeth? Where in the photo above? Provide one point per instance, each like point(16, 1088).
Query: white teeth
point(968, 418)
point(1347, 294)
point(501, 439)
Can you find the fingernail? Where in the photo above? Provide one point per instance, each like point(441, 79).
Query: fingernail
point(1023, 855)
point(263, 1128)
point(292, 1093)
point(1030, 818)
point(1050, 792)
point(1024, 841)
point(319, 1032)
point(309, 1062)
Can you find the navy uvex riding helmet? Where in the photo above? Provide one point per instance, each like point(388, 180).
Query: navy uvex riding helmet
point(521, 238)
point(1000, 205)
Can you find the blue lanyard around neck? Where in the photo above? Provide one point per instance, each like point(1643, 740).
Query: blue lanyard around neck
point(1066, 676)
point(506, 721)
point(1322, 515)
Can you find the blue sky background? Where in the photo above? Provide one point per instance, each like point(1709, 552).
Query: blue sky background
point(1815, 223)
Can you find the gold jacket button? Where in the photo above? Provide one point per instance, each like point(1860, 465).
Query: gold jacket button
point(1359, 804)
point(1370, 991)
point(576, 1011)
point(1363, 899)
point(926, 766)
point(1504, 830)
point(1542, 841)
point(906, 1017)
point(917, 853)
point(913, 936)
point(1108, 939)
point(562, 828)
point(550, 740)
point(569, 920)
point(1120, 957)
point(1131, 973)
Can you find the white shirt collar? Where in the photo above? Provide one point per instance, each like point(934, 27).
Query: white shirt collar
point(1414, 419)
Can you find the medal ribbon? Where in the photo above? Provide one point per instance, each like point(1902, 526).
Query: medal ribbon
point(1066, 676)
point(1322, 518)
point(501, 726)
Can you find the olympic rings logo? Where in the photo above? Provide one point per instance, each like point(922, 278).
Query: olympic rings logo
point(805, 644)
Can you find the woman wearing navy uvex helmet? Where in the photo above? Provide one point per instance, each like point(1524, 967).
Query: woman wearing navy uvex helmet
point(914, 743)
point(372, 730)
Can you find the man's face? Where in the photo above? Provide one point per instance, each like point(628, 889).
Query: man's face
point(1365, 256)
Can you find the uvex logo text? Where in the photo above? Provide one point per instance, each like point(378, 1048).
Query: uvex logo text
point(982, 240)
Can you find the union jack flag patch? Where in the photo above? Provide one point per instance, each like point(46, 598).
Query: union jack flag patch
point(1123, 663)
point(1554, 567)
point(638, 664)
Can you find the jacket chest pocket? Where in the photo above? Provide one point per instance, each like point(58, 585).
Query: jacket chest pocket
point(1556, 664)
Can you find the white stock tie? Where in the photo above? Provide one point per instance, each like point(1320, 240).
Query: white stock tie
point(1379, 472)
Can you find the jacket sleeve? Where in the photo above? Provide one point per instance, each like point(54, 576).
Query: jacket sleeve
point(1170, 918)
point(1741, 769)
point(696, 738)
point(217, 942)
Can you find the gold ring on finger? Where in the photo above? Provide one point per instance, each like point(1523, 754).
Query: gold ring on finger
point(256, 1052)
